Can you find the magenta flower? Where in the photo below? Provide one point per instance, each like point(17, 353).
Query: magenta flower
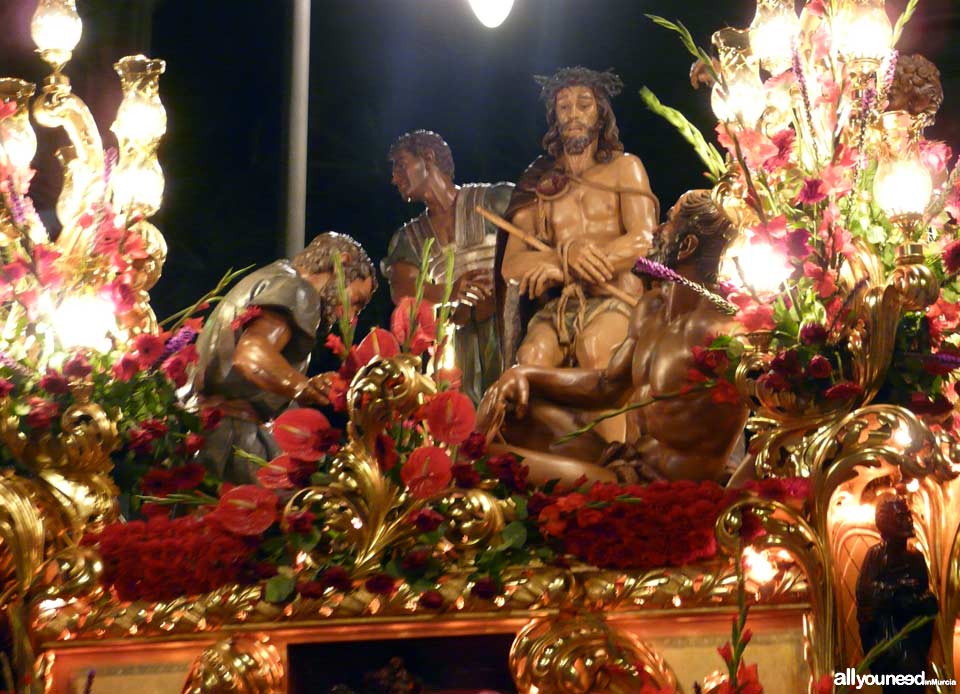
point(812, 192)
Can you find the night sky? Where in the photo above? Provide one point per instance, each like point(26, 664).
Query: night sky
point(378, 69)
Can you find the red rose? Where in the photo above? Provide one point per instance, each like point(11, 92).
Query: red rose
point(819, 367)
point(475, 446)
point(192, 444)
point(336, 577)
point(246, 510)
point(451, 417)
point(380, 584)
point(485, 588)
point(431, 600)
point(843, 391)
point(6, 387)
point(813, 334)
point(427, 520)
point(427, 471)
point(300, 433)
point(787, 363)
point(311, 589)
point(77, 366)
point(42, 412)
point(52, 382)
point(466, 475)
point(415, 561)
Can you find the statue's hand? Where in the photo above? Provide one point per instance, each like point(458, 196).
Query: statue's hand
point(473, 287)
point(539, 279)
point(512, 391)
point(589, 263)
point(314, 391)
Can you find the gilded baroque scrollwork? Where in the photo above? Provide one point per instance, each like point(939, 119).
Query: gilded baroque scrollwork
point(243, 664)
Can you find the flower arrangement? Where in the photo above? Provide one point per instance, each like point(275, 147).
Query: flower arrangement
point(835, 190)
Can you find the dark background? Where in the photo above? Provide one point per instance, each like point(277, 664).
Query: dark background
point(378, 69)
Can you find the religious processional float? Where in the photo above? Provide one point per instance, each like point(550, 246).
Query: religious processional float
point(843, 280)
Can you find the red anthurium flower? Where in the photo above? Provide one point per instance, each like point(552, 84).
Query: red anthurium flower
point(276, 473)
point(300, 433)
point(377, 343)
point(450, 417)
point(246, 510)
point(427, 471)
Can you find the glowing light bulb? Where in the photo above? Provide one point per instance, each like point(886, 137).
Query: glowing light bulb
point(140, 119)
point(56, 28)
point(758, 567)
point(772, 33)
point(903, 186)
point(84, 321)
point(491, 13)
point(757, 265)
point(862, 31)
point(913, 485)
point(901, 437)
point(138, 187)
point(741, 97)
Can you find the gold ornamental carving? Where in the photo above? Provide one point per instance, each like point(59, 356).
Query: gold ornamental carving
point(243, 664)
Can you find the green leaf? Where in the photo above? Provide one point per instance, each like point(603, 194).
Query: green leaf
point(514, 535)
point(279, 588)
point(716, 167)
point(903, 19)
point(876, 234)
point(306, 542)
point(521, 504)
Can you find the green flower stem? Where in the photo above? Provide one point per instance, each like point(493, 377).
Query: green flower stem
point(181, 316)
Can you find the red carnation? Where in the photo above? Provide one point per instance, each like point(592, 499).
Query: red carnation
point(148, 348)
point(951, 257)
point(301, 433)
point(475, 446)
point(187, 477)
point(427, 471)
point(813, 334)
point(6, 387)
point(451, 417)
point(466, 475)
point(380, 584)
point(416, 560)
point(246, 510)
point(175, 368)
point(126, 367)
point(42, 412)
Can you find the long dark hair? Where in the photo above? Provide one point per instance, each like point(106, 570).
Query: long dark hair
point(605, 86)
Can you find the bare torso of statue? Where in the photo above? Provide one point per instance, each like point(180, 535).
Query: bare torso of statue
point(679, 433)
point(591, 203)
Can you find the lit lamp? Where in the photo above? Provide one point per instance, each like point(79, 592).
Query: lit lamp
point(772, 34)
point(903, 186)
point(491, 13)
point(141, 121)
point(756, 267)
point(84, 321)
point(862, 34)
point(739, 97)
point(18, 141)
point(56, 29)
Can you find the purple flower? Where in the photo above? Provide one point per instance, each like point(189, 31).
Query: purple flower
point(19, 217)
point(183, 337)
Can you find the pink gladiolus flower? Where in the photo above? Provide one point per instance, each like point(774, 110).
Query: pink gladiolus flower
point(812, 192)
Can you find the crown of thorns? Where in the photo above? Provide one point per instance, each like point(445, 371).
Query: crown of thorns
point(606, 83)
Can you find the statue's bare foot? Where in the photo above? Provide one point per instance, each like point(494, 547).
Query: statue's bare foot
point(628, 464)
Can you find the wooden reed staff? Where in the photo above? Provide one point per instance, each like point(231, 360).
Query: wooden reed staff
point(536, 243)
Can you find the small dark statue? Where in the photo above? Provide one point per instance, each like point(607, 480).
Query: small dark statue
point(894, 588)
